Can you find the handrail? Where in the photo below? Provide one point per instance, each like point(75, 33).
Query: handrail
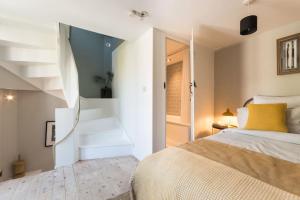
point(73, 127)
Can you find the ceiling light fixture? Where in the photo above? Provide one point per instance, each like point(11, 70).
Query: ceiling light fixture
point(107, 44)
point(248, 25)
point(141, 14)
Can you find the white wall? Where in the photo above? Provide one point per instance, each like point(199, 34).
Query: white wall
point(35, 108)
point(67, 67)
point(133, 87)
point(8, 133)
point(66, 152)
point(139, 73)
point(22, 129)
point(250, 68)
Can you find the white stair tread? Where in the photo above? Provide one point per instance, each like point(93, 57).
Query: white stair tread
point(113, 137)
point(98, 125)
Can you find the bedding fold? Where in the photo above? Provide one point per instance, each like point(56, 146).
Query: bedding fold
point(279, 173)
point(211, 170)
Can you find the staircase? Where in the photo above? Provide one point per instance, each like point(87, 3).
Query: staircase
point(42, 57)
point(30, 52)
point(100, 133)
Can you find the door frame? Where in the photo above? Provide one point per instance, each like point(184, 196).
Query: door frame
point(191, 57)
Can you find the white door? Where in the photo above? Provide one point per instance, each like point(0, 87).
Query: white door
point(192, 85)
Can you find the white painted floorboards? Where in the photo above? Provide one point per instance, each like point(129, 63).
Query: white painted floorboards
point(93, 180)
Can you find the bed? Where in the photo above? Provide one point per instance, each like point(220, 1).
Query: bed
point(233, 164)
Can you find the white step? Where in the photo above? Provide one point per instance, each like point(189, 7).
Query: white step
point(23, 34)
point(16, 54)
point(108, 105)
point(93, 113)
point(105, 144)
point(104, 152)
point(105, 138)
point(98, 125)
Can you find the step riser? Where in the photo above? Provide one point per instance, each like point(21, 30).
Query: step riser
point(109, 105)
point(93, 114)
point(98, 125)
point(105, 152)
point(105, 138)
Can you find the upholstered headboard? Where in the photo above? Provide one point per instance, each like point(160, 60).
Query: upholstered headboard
point(291, 101)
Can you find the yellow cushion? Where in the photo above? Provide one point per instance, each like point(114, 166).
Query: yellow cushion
point(267, 117)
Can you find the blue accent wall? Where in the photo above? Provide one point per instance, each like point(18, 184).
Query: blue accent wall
point(92, 58)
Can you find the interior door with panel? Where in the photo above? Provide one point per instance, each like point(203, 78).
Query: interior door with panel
point(193, 85)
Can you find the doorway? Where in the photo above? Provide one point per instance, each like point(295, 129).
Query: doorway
point(178, 105)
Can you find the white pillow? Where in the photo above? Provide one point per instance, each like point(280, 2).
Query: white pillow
point(291, 101)
point(292, 117)
point(242, 117)
point(293, 120)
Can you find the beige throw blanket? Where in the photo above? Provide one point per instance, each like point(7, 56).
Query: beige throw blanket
point(211, 170)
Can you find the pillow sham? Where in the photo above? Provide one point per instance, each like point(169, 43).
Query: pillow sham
point(291, 101)
point(242, 117)
point(267, 117)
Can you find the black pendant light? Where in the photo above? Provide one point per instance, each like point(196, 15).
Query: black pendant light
point(248, 25)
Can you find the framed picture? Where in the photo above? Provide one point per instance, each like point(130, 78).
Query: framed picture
point(288, 54)
point(50, 134)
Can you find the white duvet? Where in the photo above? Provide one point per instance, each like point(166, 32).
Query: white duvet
point(284, 146)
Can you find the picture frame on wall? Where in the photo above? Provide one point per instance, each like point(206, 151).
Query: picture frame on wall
point(288, 55)
point(50, 134)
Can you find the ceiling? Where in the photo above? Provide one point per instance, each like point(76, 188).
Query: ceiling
point(216, 21)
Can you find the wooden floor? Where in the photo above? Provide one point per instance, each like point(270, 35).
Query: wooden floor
point(93, 179)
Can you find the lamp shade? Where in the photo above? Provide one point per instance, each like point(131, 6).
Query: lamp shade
point(248, 25)
point(227, 113)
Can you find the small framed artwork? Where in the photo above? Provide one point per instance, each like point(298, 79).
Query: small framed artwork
point(288, 55)
point(50, 134)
